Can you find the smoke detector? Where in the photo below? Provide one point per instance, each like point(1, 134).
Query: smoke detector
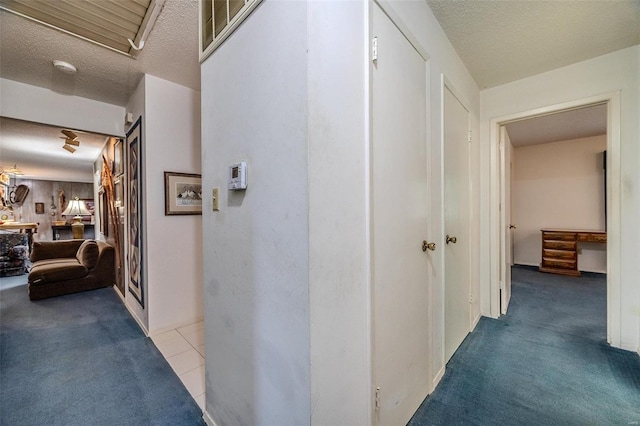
point(65, 67)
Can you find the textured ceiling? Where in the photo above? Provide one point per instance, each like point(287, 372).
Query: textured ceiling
point(499, 41)
point(503, 41)
point(27, 50)
point(562, 126)
point(37, 150)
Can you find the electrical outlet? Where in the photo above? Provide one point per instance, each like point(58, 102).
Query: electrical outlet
point(215, 199)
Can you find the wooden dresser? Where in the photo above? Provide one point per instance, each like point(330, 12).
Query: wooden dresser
point(560, 249)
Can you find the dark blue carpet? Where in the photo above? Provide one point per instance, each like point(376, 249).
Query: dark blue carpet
point(81, 359)
point(544, 363)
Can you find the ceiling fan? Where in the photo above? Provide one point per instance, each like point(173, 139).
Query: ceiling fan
point(70, 140)
point(13, 171)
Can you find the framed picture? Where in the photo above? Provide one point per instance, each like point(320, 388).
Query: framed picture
point(39, 208)
point(182, 193)
point(117, 158)
point(91, 205)
point(103, 205)
point(134, 175)
point(117, 192)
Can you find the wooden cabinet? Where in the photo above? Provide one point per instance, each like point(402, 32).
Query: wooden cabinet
point(560, 249)
point(64, 232)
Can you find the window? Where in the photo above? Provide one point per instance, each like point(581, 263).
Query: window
point(218, 19)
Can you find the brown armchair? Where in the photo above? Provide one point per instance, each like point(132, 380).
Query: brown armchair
point(70, 266)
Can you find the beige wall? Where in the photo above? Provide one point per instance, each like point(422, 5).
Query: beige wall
point(559, 185)
point(42, 191)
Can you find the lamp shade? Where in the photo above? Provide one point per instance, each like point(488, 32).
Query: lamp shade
point(76, 207)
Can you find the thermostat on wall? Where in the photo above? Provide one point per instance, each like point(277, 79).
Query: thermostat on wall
point(238, 176)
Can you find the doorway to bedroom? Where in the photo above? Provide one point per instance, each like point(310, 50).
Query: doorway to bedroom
point(554, 194)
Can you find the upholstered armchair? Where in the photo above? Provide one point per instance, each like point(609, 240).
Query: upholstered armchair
point(14, 253)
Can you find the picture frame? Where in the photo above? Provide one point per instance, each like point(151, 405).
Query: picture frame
point(103, 205)
point(117, 192)
point(182, 193)
point(91, 205)
point(39, 208)
point(118, 162)
point(136, 256)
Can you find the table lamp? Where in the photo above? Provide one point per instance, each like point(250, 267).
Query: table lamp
point(77, 209)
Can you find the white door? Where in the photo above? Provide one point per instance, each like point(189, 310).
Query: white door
point(506, 226)
point(399, 224)
point(456, 223)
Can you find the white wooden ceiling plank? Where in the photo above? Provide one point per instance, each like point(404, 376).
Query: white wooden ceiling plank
point(93, 12)
point(135, 7)
point(43, 11)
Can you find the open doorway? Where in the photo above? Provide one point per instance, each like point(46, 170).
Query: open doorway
point(597, 258)
point(554, 215)
point(54, 165)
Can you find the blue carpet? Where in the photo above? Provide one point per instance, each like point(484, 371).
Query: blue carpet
point(81, 359)
point(544, 363)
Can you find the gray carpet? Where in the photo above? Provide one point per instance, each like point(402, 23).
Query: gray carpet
point(81, 359)
point(545, 363)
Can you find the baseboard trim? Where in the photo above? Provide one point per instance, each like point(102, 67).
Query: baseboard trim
point(207, 419)
point(135, 317)
point(535, 265)
point(436, 380)
point(475, 322)
point(174, 326)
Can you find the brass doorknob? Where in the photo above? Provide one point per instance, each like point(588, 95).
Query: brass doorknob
point(430, 246)
point(451, 239)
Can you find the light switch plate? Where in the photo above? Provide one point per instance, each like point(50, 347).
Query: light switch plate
point(215, 199)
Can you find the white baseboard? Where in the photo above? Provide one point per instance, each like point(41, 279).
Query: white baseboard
point(207, 419)
point(133, 314)
point(174, 326)
point(436, 380)
point(475, 322)
point(526, 264)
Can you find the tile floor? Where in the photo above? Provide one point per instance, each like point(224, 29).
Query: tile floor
point(183, 348)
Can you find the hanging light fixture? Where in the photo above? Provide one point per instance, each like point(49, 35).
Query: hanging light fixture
point(14, 170)
point(15, 193)
point(71, 142)
point(70, 139)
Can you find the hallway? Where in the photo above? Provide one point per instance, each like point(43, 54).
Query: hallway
point(545, 362)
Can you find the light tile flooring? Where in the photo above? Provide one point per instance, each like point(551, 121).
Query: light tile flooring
point(183, 348)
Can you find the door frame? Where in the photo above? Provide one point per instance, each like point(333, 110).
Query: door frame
point(504, 162)
point(614, 302)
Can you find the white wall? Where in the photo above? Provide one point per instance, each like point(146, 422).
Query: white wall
point(559, 185)
point(292, 252)
point(31, 103)
point(618, 71)
point(173, 243)
point(172, 255)
point(256, 248)
point(338, 202)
